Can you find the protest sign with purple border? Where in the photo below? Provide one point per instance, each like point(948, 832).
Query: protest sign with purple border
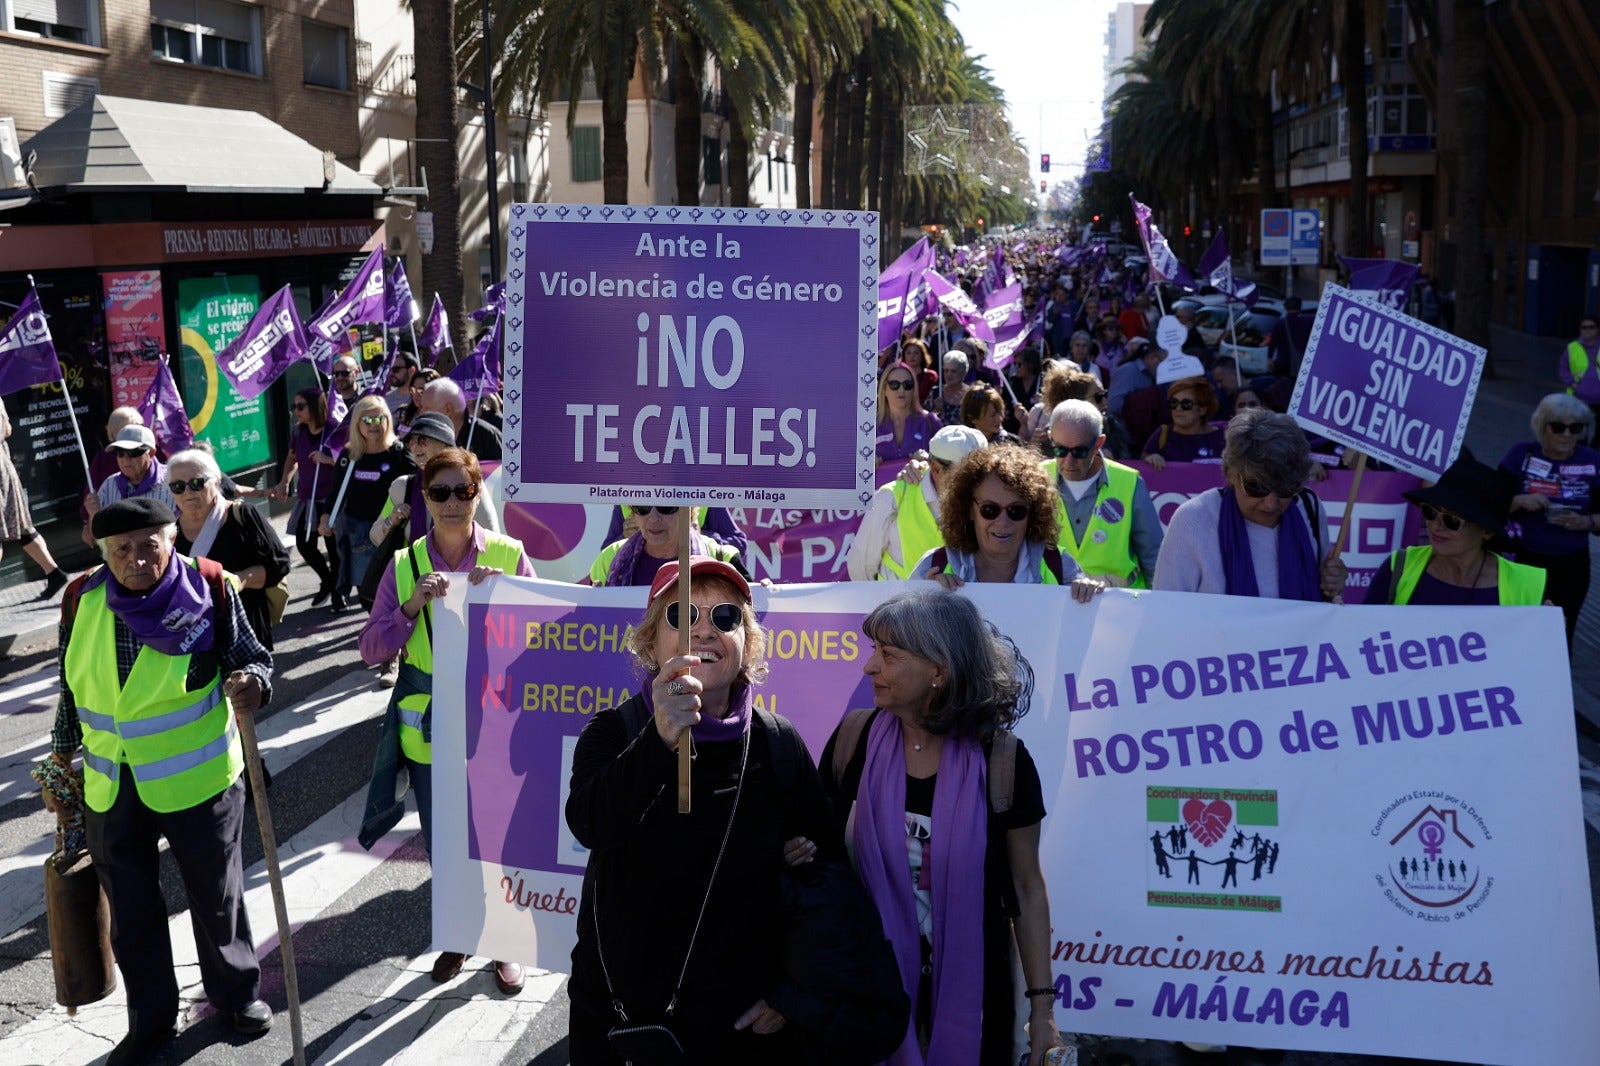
point(1387, 384)
point(691, 354)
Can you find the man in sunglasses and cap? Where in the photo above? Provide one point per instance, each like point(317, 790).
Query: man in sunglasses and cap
point(902, 522)
point(1108, 520)
point(157, 659)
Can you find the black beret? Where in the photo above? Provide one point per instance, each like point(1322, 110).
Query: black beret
point(130, 515)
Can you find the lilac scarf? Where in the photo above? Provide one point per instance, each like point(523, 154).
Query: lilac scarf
point(621, 572)
point(710, 730)
point(175, 617)
point(952, 862)
point(1299, 571)
point(153, 477)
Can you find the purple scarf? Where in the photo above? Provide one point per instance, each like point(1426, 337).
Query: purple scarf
point(710, 730)
point(175, 617)
point(152, 477)
point(621, 572)
point(1299, 571)
point(952, 862)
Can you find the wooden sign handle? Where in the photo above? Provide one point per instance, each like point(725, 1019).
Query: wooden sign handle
point(684, 741)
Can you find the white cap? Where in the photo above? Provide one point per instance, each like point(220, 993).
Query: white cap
point(133, 439)
point(954, 443)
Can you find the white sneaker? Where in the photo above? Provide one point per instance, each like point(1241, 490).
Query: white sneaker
point(389, 673)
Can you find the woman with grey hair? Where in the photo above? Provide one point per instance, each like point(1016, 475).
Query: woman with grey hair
point(1262, 534)
point(952, 387)
point(948, 688)
point(236, 535)
point(1553, 513)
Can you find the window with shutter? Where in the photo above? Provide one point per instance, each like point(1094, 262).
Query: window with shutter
point(322, 51)
point(210, 33)
point(59, 20)
point(586, 153)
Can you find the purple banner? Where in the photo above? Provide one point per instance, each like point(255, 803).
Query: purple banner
point(1386, 384)
point(475, 374)
point(896, 288)
point(162, 408)
point(27, 355)
point(361, 301)
point(1388, 280)
point(399, 309)
point(273, 339)
point(1217, 270)
point(955, 300)
point(435, 336)
point(1164, 263)
point(689, 323)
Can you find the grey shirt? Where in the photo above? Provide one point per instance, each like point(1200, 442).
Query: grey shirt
point(1144, 538)
point(1191, 555)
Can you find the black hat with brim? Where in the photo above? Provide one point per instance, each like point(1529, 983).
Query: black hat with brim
point(130, 516)
point(1479, 493)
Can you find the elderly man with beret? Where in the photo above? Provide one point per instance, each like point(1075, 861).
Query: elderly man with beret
point(157, 657)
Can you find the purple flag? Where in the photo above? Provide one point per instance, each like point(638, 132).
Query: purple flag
point(399, 309)
point(1216, 269)
point(1002, 305)
point(380, 377)
point(27, 355)
point(960, 304)
point(435, 332)
point(273, 339)
point(897, 287)
point(494, 302)
point(1164, 264)
point(474, 373)
point(1389, 279)
point(162, 409)
point(361, 301)
point(1009, 335)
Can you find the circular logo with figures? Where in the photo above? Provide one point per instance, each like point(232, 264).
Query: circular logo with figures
point(1437, 851)
point(1110, 511)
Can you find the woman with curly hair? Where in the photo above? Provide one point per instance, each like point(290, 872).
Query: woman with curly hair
point(997, 513)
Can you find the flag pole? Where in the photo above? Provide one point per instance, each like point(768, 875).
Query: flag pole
point(72, 419)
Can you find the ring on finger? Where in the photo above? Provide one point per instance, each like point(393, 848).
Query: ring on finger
point(675, 687)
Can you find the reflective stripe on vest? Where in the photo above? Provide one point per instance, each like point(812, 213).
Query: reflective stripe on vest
point(181, 746)
point(917, 526)
point(1518, 584)
point(1107, 546)
point(416, 737)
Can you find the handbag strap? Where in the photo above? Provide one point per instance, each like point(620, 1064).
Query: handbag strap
point(672, 1003)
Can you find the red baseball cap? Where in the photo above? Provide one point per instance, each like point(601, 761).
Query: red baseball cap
point(699, 565)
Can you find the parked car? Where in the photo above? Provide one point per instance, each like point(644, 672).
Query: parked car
point(1247, 341)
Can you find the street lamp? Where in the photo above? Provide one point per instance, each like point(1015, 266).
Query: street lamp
point(1288, 196)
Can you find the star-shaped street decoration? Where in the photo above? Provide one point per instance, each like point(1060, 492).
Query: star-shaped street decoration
point(935, 146)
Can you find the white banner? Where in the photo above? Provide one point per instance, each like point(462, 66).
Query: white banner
point(1276, 824)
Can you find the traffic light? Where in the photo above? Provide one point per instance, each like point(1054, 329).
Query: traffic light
point(1187, 230)
point(1097, 220)
point(1044, 163)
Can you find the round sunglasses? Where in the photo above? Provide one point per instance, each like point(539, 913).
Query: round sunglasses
point(372, 420)
point(726, 617)
point(643, 512)
point(1430, 513)
point(1181, 405)
point(899, 384)
point(988, 510)
point(441, 493)
point(194, 484)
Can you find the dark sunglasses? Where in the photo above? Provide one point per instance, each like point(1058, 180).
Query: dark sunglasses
point(441, 493)
point(194, 484)
point(372, 420)
point(725, 616)
point(302, 407)
point(899, 385)
point(1575, 428)
point(1181, 405)
point(1247, 405)
point(343, 373)
point(1430, 513)
point(665, 512)
point(1080, 451)
point(989, 511)
point(1257, 491)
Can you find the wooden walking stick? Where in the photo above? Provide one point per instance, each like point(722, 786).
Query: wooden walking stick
point(683, 649)
point(269, 849)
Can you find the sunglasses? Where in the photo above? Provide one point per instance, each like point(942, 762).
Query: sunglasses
point(1080, 451)
point(1247, 405)
point(302, 407)
point(1430, 513)
point(665, 512)
point(343, 373)
point(1257, 491)
point(1181, 405)
point(194, 484)
point(372, 420)
point(899, 385)
point(989, 511)
point(441, 493)
point(131, 453)
point(727, 617)
point(1574, 428)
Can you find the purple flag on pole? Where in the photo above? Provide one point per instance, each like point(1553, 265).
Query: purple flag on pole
point(1389, 279)
point(361, 301)
point(1164, 264)
point(1216, 269)
point(494, 302)
point(1002, 304)
point(27, 355)
point(960, 304)
point(435, 332)
point(399, 309)
point(1009, 336)
point(474, 373)
point(163, 412)
point(273, 339)
point(897, 286)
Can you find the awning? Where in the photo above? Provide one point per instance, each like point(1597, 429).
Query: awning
point(117, 144)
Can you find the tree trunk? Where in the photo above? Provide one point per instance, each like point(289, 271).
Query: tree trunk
point(805, 95)
point(433, 23)
point(883, 155)
point(614, 81)
point(738, 176)
point(874, 148)
point(688, 67)
point(1472, 182)
point(894, 183)
point(858, 131)
point(1266, 167)
point(837, 139)
point(1353, 75)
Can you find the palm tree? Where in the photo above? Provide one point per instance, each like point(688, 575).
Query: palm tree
point(432, 24)
point(1472, 171)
